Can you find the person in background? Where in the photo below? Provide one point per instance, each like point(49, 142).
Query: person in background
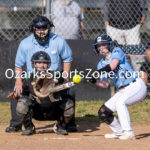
point(67, 17)
point(145, 71)
point(123, 20)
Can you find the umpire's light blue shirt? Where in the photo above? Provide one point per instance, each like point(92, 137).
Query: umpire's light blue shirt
point(56, 47)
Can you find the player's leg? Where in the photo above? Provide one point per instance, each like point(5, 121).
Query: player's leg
point(15, 123)
point(66, 109)
point(24, 112)
point(107, 111)
point(116, 34)
point(133, 38)
point(131, 94)
point(70, 94)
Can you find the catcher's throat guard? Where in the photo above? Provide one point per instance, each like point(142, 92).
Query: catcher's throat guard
point(47, 86)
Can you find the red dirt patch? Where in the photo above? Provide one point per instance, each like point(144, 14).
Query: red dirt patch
point(90, 136)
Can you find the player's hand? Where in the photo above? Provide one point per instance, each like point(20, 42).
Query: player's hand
point(18, 87)
point(13, 95)
point(92, 80)
point(142, 20)
point(106, 23)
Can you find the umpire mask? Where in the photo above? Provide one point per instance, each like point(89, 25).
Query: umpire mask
point(41, 27)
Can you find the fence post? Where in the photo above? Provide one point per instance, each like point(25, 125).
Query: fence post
point(48, 9)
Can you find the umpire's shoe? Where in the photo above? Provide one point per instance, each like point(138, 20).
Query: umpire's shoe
point(11, 129)
point(29, 131)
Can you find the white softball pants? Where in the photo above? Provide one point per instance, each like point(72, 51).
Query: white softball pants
point(120, 101)
point(128, 36)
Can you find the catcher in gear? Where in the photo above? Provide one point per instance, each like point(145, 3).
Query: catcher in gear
point(47, 105)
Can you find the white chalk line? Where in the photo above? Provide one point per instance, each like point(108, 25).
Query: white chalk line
point(63, 138)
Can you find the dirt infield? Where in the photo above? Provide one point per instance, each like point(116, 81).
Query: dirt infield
point(90, 136)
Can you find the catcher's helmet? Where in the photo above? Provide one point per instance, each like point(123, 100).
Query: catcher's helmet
point(38, 22)
point(103, 39)
point(40, 56)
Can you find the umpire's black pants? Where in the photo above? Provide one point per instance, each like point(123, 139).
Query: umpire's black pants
point(14, 122)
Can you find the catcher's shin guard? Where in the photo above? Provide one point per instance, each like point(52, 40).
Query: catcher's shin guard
point(28, 125)
point(67, 113)
point(23, 107)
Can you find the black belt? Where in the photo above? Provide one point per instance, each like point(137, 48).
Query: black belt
point(127, 84)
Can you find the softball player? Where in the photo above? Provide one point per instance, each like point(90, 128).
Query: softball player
point(131, 89)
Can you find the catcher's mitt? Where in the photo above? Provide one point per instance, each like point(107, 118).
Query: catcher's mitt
point(47, 86)
point(43, 84)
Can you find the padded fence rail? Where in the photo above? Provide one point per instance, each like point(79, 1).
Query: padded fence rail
point(83, 58)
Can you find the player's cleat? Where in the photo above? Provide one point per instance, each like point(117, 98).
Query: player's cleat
point(127, 135)
point(112, 136)
point(11, 129)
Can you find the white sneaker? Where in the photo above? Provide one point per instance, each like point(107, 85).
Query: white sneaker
point(112, 136)
point(127, 135)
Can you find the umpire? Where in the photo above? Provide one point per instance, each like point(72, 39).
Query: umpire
point(41, 39)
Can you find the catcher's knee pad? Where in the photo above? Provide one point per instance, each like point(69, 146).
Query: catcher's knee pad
point(105, 114)
point(69, 109)
point(23, 106)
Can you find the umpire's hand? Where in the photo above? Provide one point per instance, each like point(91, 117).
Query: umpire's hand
point(18, 87)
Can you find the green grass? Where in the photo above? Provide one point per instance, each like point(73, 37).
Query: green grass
point(87, 111)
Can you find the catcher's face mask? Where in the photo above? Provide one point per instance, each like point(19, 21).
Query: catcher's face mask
point(41, 66)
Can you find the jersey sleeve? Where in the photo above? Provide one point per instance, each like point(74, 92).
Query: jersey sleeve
point(20, 56)
point(118, 54)
point(65, 51)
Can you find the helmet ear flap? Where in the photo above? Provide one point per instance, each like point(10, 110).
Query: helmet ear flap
point(95, 49)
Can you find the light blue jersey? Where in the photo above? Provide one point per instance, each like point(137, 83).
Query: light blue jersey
point(56, 47)
point(123, 74)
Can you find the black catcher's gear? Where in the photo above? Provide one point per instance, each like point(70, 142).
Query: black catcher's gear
point(40, 56)
point(103, 39)
point(41, 22)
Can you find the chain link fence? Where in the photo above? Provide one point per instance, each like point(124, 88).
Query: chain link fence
point(118, 18)
point(16, 15)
